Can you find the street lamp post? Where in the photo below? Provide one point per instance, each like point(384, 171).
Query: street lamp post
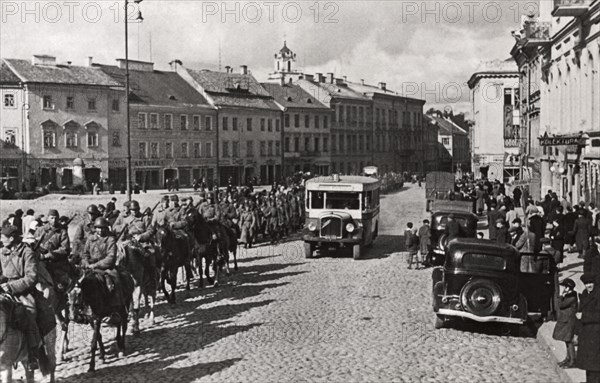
point(139, 17)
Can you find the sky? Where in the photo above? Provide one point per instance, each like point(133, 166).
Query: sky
point(423, 49)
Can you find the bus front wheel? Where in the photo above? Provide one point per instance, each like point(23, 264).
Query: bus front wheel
point(308, 250)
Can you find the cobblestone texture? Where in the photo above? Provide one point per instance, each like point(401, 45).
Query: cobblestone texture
point(282, 318)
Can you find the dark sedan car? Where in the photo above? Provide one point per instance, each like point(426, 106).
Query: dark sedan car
point(484, 281)
point(467, 228)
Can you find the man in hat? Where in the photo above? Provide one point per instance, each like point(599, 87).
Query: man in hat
point(588, 352)
point(162, 214)
point(493, 216)
point(84, 229)
point(18, 276)
point(566, 318)
point(210, 211)
point(54, 248)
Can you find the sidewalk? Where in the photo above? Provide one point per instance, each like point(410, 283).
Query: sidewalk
point(572, 268)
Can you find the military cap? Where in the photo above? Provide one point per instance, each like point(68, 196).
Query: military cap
point(101, 222)
point(10, 231)
point(588, 278)
point(93, 209)
point(53, 212)
point(164, 198)
point(174, 197)
point(134, 205)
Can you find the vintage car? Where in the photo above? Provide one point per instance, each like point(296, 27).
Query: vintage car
point(439, 239)
point(484, 281)
point(341, 211)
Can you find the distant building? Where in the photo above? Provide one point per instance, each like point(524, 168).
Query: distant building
point(433, 150)
point(248, 123)
point(453, 144)
point(172, 126)
point(66, 112)
point(284, 66)
point(498, 139)
point(306, 129)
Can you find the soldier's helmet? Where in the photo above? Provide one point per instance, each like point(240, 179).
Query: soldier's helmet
point(174, 198)
point(134, 205)
point(93, 209)
point(101, 222)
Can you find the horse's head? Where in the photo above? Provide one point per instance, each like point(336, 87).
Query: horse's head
point(75, 298)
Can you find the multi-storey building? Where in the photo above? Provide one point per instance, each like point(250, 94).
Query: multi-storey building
point(65, 112)
point(248, 122)
point(306, 129)
point(173, 134)
point(558, 57)
point(12, 119)
point(453, 144)
point(498, 138)
point(432, 153)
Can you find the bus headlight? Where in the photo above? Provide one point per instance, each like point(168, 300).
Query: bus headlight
point(311, 226)
point(350, 227)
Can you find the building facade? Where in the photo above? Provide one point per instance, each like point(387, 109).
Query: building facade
point(559, 59)
point(497, 137)
point(432, 153)
point(172, 126)
point(66, 111)
point(248, 124)
point(452, 144)
point(306, 129)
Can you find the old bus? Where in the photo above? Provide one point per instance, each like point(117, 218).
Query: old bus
point(341, 211)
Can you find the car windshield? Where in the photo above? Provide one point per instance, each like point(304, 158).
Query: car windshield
point(441, 221)
point(350, 201)
point(484, 261)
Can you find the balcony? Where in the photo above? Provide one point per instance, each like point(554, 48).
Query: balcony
point(537, 34)
point(514, 142)
point(570, 8)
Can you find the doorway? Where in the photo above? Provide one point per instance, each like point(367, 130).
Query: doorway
point(92, 175)
point(67, 177)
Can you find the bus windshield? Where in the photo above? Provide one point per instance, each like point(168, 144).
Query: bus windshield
point(337, 200)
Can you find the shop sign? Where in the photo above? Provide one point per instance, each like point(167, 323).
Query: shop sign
point(545, 140)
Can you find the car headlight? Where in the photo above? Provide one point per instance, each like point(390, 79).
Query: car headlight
point(311, 226)
point(349, 227)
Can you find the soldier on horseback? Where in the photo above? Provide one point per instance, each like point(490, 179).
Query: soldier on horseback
point(162, 214)
point(54, 248)
point(228, 215)
point(210, 211)
point(100, 255)
point(18, 276)
point(178, 221)
point(83, 231)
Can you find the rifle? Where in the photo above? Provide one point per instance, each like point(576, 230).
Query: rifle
point(143, 215)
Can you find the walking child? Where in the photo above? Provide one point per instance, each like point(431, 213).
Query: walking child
point(411, 243)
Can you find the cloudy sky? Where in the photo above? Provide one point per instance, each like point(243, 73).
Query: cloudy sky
point(426, 49)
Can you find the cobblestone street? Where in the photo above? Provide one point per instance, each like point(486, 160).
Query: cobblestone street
point(282, 318)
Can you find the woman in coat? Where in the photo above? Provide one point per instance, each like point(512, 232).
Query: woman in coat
point(564, 330)
point(557, 236)
point(588, 357)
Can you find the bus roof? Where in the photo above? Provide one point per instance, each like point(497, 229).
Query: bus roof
point(345, 183)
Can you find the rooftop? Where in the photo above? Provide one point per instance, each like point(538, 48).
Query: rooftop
point(446, 127)
point(293, 96)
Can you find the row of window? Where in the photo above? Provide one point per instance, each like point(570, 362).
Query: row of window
point(318, 145)
point(357, 115)
point(48, 103)
point(266, 125)
point(267, 148)
point(153, 150)
point(71, 139)
point(152, 121)
point(306, 117)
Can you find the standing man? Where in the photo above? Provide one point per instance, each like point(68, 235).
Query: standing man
point(588, 353)
point(424, 235)
point(582, 231)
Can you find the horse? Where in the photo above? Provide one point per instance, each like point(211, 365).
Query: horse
point(88, 298)
point(206, 245)
point(175, 252)
point(142, 266)
point(13, 347)
point(228, 243)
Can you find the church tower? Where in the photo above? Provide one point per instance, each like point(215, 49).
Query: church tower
point(284, 66)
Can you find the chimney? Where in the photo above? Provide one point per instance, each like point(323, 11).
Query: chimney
point(90, 61)
point(345, 78)
point(339, 81)
point(330, 75)
point(362, 81)
point(319, 77)
point(43, 60)
point(309, 77)
point(243, 69)
point(382, 86)
point(227, 67)
point(142, 66)
point(175, 64)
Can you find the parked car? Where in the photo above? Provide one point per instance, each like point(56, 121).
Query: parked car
point(484, 281)
point(439, 239)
